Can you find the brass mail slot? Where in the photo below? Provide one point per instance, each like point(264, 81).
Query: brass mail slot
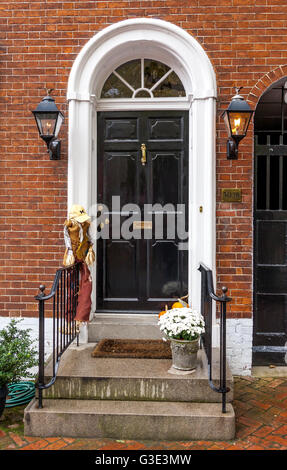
point(139, 224)
point(231, 195)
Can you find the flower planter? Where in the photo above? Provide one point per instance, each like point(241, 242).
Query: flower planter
point(3, 395)
point(185, 323)
point(184, 354)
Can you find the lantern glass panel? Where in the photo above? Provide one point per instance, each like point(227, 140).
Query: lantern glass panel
point(227, 124)
point(46, 123)
point(238, 123)
point(59, 123)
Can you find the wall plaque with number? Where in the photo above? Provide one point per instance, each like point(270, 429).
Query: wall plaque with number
point(231, 195)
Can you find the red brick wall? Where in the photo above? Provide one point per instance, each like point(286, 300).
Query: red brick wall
point(39, 42)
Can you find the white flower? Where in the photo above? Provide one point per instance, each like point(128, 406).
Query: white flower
point(182, 323)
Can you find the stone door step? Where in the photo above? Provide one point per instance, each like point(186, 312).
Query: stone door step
point(129, 420)
point(81, 376)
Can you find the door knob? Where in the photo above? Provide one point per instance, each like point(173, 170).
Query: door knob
point(143, 159)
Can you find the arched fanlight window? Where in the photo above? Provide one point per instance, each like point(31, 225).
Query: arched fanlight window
point(143, 78)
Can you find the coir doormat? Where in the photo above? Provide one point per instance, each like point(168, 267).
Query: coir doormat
point(133, 348)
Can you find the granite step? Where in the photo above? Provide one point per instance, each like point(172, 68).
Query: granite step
point(81, 376)
point(129, 420)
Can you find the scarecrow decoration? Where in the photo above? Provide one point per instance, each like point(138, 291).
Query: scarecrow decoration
point(79, 249)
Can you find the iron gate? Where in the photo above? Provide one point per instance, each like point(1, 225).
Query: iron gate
point(270, 250)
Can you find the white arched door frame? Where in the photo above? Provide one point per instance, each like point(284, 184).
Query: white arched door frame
point(163, 41)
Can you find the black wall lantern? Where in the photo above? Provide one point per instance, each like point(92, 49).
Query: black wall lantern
point(49, 120)
point(236, 118)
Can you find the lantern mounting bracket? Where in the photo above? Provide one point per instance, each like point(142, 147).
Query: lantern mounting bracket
point(54, 149)
point(232, 149)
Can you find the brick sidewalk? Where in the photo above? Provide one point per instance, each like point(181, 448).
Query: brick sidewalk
point(261, 423)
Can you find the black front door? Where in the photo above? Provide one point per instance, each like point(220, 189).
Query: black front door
point(270, 229)
point(142, 208)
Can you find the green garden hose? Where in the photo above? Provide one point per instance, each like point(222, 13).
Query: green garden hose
point(20, 393)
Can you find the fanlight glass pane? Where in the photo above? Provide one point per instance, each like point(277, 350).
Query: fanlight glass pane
point(131, 73)
point(170, 87)
point(115, 88)
point(142, 94)
point(239, 122)
point(129, 79)
point(153, 71)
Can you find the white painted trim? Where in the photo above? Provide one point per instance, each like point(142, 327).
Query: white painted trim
point(163, 41)
point(142, 104)
point(152, 38)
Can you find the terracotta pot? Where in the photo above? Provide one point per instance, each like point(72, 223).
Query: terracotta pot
point(3, 395)
point(184, 354)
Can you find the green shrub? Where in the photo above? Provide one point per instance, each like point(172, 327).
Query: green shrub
point(17, 354)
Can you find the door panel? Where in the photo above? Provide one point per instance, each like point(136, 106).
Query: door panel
point(272, 308)
point(165, 179)
point(268, 251)
point(121, 129)
point(145, 272)
point(163, 268)
point(165, 128)
point(272, 279)
point(120, 269)
point(120, 169)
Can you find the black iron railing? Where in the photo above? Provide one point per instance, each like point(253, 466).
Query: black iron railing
point(63, 297)
point(207, 296)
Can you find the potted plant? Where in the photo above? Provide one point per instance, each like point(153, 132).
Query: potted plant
point(17, 357)
point(183, 327)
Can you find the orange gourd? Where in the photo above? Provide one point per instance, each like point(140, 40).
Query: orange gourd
point(163, 311)
point(179, 304)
